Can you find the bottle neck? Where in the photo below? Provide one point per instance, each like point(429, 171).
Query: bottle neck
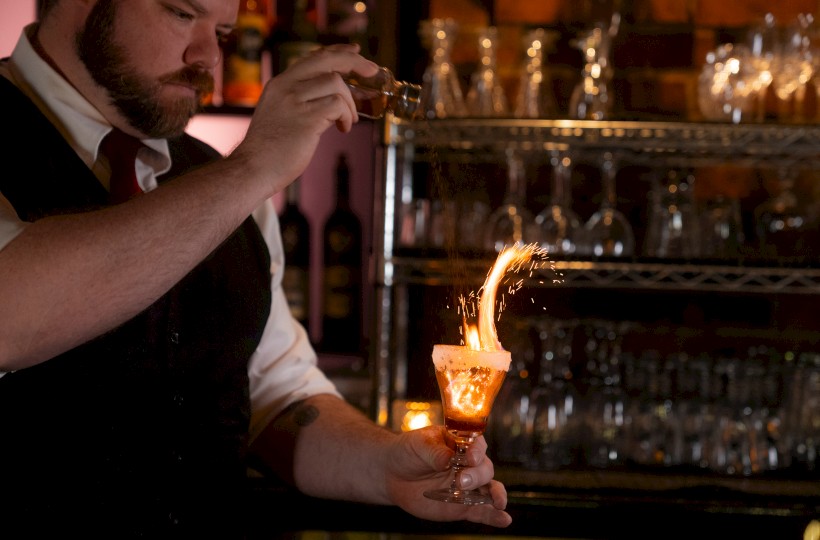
point(292, 193)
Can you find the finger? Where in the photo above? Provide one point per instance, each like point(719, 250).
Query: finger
point(327, 59)
point(488, 515)
point(477, 451)
point(329, 85)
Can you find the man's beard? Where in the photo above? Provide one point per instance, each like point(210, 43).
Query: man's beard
point(135, 97)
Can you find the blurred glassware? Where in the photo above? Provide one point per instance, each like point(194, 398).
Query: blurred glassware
point(782, 225)
point(721, 228)
point(441, 95)
point(591, 98)
point(473, 213)
point(793, 68)
point(673, 231)
point(608, 233)
point(486, 97)
point(605, 409)
point(763, 42)
point(512, 222)
point(507, 432)
point(558, 226)
point(728, 84)
point(535, 97)
point(554, 419)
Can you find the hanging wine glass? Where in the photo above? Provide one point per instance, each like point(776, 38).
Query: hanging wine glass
point(763, 42)
point(781, 223)
point(607, 232)
point(441, 90)
point(673, 231)
point(512, 222)
point(535, 98)
point(793, 68)
point(486, 97)
point(558, 226)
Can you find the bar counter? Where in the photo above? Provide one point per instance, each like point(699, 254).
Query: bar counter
point(653, 507)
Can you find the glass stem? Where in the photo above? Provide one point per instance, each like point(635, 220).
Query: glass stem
point(608, 172)
point(458, 463)
point(561, 178)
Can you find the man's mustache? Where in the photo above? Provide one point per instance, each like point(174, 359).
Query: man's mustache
point(201, 80)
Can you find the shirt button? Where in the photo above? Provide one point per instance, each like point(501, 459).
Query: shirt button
point(175, 338)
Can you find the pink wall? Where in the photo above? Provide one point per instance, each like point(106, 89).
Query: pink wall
point(225, 131)
point(15, 15)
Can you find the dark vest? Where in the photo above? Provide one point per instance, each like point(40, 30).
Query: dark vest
point(141, 431)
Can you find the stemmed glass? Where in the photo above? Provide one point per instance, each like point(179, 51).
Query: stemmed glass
point(793, 68)
point(441, 90)
point(763, 42)
point(468, 381)
point(781, 222)
point(558, 226)
point(512, 222)
point(486, 97)
point(535, 98)
point(608, 232)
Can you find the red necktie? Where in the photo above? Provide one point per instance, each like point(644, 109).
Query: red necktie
point(121, 150)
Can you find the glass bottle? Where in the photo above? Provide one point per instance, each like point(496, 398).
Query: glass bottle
point(343, 275)
point(381, 93)
point(242, 78)
point(296, 243)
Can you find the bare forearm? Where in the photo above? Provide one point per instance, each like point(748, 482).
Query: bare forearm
point(67, 279)
point(328, 448)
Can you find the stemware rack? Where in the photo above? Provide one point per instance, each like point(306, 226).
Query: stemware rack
point(399, 274)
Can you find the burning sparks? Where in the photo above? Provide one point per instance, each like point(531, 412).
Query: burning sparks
point(510, 259)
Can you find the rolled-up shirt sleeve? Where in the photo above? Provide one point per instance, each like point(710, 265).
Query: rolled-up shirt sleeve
point(283, 369)
point(10, 224)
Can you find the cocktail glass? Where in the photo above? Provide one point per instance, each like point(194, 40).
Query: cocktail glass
point(469, 381)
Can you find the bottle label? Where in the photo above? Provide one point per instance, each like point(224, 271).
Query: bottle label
point(338, 301)
point(243, 64)
point(295, 286)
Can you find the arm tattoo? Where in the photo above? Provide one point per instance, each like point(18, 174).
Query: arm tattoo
point(302, 414)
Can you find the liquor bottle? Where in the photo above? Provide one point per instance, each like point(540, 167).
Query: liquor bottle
point(343, 272)
point(295, 230)
point(381, 93)
point(296, 33)
point(242, 70)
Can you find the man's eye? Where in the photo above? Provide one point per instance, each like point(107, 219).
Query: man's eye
point(180, 14)
point(222, 37)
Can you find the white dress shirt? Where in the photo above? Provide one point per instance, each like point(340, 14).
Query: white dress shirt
point(283, 368)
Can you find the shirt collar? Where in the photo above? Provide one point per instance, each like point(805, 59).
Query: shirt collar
point(82, 125)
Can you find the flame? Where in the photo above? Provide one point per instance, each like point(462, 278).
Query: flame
point(472, 339)
point(509, 259)
point(468, 391)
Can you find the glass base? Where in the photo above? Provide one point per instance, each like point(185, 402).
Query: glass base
point(459, 496)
